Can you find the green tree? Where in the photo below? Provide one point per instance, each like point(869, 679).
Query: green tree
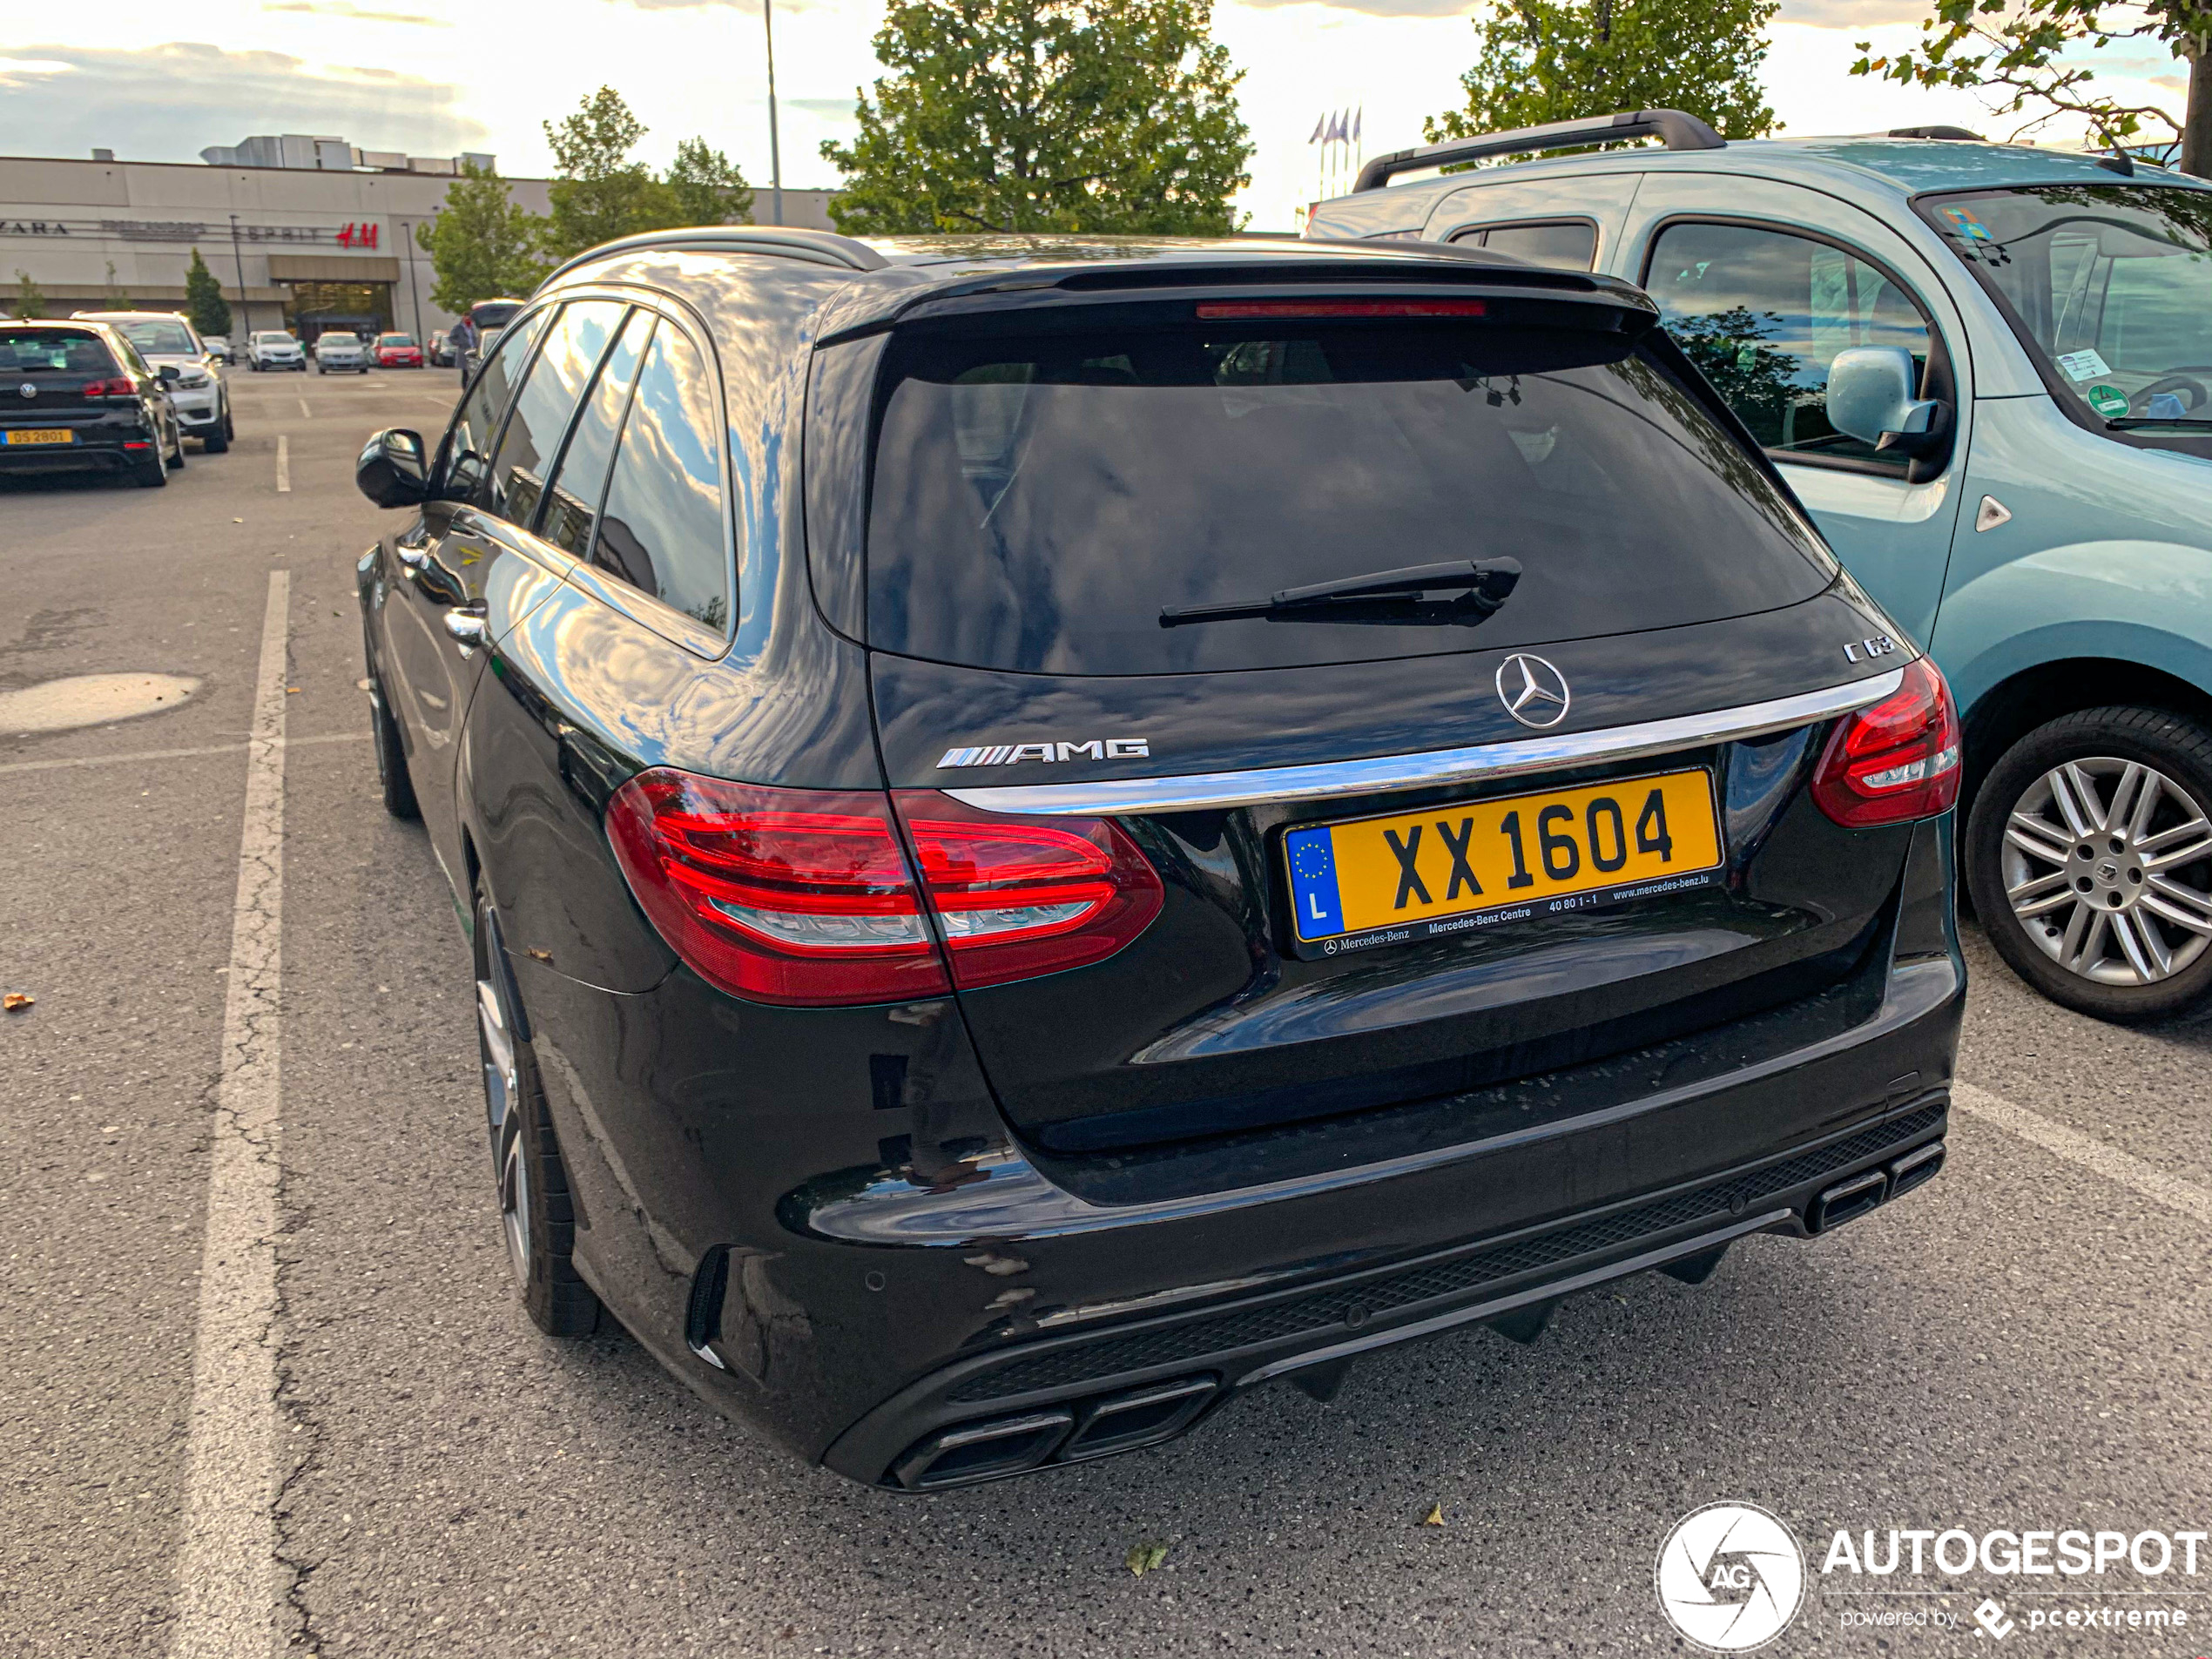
point(598, 192)
point(705, 186)
point(482, 244)
point(1046, 115)
point(204, 301)
point(30, 299)
point(117, 297)
point(2027, 57)
point(1556, 60)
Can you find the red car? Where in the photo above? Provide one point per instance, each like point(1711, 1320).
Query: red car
point(398, 351)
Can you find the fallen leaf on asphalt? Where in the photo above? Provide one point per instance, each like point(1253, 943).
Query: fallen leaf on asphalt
point(1146, 1557)
point(542, 955)
point(15, 1001)
point(238, 521)
point(1435, 1517)
point(291, 691)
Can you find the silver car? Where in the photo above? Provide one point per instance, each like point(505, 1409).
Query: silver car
point(340, 350)
point(167, 341)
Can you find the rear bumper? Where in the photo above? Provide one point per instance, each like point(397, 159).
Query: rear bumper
point(816, 1219)
point(81, 456)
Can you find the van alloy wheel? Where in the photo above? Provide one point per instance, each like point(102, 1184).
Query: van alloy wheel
point(2108, 866)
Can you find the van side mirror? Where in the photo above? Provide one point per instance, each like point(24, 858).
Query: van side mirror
point(390, 471)
point(1871, 398)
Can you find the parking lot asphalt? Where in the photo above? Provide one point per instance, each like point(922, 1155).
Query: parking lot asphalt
point(2021, 1345)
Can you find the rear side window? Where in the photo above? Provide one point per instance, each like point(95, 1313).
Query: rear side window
point(469, 444)
point(53, 351)
point(1566, 244)
point(1763, 313)
point(555, 383)
point(661, 530)
point(574, 497)
point(1038, 501)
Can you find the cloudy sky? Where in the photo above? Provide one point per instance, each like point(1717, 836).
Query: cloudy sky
point(157, 82)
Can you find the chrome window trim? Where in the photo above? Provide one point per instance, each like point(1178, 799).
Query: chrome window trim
point(1480, 763)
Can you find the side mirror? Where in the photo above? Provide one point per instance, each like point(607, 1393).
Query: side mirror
point(390, 471)
point(1870, 398)
point(170, 373)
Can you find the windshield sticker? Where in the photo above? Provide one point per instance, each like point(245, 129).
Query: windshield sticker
point(2083, 364)
point(1963, 221)
point(2107, 400)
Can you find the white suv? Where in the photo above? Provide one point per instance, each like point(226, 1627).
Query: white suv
point(277, 350)
point(166, 340)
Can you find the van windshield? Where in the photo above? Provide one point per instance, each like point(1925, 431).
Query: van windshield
point(1039, 500)
point(2108, 285)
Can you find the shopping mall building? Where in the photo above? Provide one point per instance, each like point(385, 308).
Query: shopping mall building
point(308, 232)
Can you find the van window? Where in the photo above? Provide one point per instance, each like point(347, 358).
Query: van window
point(661, 530)
point(555, 383)
point(1763, 313)
point(573, 499)
point(1565, 244)
point(1038, 500)
point(467, 446)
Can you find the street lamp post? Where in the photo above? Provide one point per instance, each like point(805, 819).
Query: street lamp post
point(775, 148)
point(407, 240)
point(245, 312)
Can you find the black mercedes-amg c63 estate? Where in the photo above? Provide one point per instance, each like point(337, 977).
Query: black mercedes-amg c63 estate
point(1057, 829)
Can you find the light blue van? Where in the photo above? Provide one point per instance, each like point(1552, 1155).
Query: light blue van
point(1987, 370)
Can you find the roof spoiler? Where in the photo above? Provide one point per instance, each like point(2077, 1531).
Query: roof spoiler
point(792, 242)
point(1682, 132)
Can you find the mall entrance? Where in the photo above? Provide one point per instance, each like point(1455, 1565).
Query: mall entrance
point(356, 308)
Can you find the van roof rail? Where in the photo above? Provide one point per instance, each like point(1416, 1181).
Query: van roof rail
point(1681, 130)
point(792, 242)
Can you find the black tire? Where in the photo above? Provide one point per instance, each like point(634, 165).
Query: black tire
point(177, 458)
point(219, 436)
point(153, 473)
point(392, 778)
point(230, 431)
point(2108, 988)
point(537, 1213)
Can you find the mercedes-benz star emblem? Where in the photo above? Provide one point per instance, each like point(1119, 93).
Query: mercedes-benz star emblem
point(27, 389)
point(1534, 692)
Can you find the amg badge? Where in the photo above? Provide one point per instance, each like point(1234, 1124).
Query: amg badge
point(1005, 754)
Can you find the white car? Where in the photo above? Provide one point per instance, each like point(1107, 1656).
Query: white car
point(274, 349)
point(218, 347)
point(166, 341)
point(340, 350)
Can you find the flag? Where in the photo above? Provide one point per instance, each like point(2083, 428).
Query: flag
point(1336, 126)
point(1319, 123)
point(1356, 116)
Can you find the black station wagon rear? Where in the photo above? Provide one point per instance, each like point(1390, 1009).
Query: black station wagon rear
point(1056, 830)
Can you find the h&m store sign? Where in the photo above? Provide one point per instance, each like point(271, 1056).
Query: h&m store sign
point(353, 234)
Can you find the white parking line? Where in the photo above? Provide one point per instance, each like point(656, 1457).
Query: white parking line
point(130, 756)
point(284, 465)
point(2085, 1149)
point(227, 1570)
point(305, 414)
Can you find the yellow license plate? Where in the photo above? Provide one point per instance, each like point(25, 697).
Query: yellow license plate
point(1460, 869)
point(46, 434)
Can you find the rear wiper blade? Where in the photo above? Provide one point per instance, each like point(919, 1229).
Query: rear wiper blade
point(2136, 422)
point(1486, 582)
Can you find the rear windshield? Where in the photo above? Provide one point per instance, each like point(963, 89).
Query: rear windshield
point(493, 316)
point(1038, 501)
point(160, 339)
point(67, 351)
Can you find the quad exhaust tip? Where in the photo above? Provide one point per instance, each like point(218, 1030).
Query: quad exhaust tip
point(1002, 1445)
point(1847, 1200)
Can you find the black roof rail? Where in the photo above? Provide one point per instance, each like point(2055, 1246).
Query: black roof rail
point(1680, 132)
point(815, 247)
point(1935, 133)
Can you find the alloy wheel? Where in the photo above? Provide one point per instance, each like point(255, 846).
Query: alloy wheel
point(502, 1085)
point(2108, 865)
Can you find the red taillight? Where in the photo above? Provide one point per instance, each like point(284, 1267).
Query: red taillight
point(796, 896)
point(1022, 896)
point(804, 897)
point(1896, 761)
point(108, 389)
point(1210, 310)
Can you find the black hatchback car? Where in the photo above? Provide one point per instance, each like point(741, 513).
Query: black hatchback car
point(77, 397)
point(1057, 830)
